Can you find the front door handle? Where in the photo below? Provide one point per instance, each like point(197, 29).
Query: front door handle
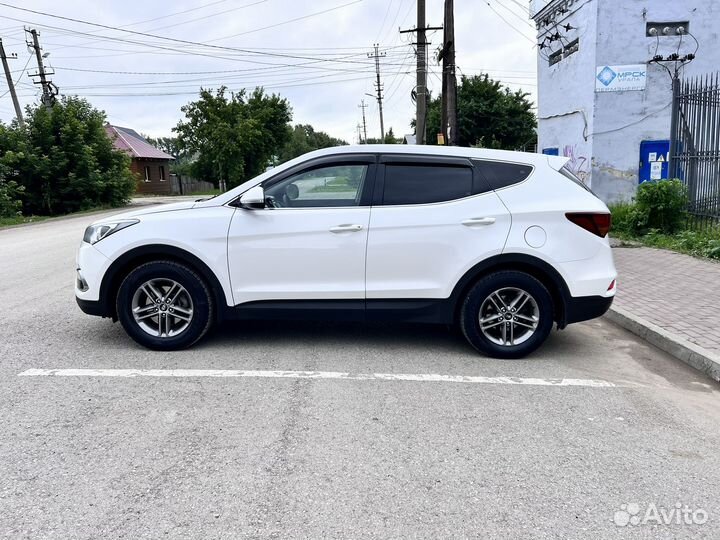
point(346, 228)
point(478, 221)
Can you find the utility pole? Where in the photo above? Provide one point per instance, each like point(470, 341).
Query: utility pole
point(449, 95)
point(359, 135)
point(49, 90)
point(421, 85)
point(11, 84)
point(379, 88)
point(363, 107)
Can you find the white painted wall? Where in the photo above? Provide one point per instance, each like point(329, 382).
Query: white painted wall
point(612, 32)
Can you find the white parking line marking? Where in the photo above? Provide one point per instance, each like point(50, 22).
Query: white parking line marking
point(412, 377)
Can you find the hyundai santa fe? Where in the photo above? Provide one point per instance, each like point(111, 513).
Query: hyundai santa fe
point(502, 244)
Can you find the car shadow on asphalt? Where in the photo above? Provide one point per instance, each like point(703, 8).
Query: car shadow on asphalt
point(429, 338)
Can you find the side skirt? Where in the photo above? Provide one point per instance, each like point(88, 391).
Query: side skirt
point(436, 311)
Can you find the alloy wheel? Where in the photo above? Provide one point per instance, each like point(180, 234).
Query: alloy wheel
point(509, 316)
point(162, 308)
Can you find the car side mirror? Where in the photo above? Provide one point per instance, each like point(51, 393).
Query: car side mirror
point(253, 199)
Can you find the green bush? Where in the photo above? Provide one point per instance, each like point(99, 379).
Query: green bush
point(64, 160)
point(10, 203)
point(624, 217)
point(658, 206)
point(661, 205)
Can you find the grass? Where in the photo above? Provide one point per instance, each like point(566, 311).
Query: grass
point(23, 220)
point(696, 243)
point(699, 243)
point(20, 220)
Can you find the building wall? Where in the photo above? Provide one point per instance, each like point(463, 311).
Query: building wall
point(565, 91)
point(612, 32)
point(624, 119)
point(155, 185)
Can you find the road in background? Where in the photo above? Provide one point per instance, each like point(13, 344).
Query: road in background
point(265, 456)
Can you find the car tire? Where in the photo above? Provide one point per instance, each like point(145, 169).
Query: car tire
point(164, 305)
point(507, 314)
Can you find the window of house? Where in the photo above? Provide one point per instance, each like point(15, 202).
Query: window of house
point(335, 185)
point(162, 173)
point(422, 184)
point(147, 173)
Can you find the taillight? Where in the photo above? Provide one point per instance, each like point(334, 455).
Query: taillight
point(595, 223)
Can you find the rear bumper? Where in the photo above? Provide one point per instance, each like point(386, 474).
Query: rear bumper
point(584, 308)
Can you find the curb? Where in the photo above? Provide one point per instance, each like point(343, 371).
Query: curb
point(683, 350)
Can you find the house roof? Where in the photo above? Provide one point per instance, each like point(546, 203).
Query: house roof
point(129, 141)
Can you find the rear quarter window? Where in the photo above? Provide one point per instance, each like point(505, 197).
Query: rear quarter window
point(500, 174)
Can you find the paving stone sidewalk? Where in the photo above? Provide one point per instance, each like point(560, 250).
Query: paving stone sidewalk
point(676, 292)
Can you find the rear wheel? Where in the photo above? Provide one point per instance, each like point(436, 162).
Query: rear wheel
point(164, 305)
point(507, 314)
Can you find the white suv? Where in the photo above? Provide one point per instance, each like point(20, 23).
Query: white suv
point(503, 244)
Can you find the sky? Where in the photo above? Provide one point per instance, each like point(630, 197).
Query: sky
point(143, 60)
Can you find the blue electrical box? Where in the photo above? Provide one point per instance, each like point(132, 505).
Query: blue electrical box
point(654, 161)
point(551, 151)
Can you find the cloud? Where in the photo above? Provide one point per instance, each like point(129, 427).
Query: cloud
point(332, 47)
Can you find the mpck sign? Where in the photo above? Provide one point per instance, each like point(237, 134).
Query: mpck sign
point(620, 78)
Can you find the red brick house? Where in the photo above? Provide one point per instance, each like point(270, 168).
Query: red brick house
point(150, 164)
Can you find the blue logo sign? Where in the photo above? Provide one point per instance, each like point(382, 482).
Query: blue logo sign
point(606, 76)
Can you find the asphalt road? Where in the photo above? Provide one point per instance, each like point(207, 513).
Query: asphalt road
point(280, 455)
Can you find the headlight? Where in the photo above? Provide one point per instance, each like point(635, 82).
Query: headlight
point(95, 233)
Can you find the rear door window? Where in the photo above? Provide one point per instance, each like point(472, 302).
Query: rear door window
point(500, 174)
point(424, 184)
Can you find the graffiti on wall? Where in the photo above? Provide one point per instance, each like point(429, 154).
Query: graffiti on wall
point(578, 164)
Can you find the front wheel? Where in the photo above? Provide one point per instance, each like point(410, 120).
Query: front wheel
point(164, 305)
point(507, 314)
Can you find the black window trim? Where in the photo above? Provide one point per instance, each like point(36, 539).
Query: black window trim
point(487, 182)
point(479, 184)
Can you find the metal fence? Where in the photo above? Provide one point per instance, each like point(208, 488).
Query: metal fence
point(695, 145)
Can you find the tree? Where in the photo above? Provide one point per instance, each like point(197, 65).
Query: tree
point(64, 160)
point(489, 115)
point(305, 139)
point(182, 165)
point(389, 139)
point(233, 136)
point(169, 145)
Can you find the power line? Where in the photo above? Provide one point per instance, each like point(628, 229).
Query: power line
point(313, 60)
point(83, 44)
point(514, 14)
point(287, 22)
point(506, 22)
point(382, 25)
point(166, 38)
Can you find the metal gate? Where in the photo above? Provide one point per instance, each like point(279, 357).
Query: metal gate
point(695, 145)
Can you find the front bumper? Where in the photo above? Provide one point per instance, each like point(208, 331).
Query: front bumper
point(91, 266)
point(91, 307)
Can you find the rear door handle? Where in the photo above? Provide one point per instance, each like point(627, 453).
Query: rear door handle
point(346, 228)
point(478, 221)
